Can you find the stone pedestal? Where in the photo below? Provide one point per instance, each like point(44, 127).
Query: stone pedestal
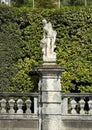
point(50, 97)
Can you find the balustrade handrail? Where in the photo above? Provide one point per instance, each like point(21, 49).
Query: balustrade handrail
point(18, 94)
point(76, 94)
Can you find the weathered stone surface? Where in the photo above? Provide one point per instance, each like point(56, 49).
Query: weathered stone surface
point(51, 122)
point(50, 89)
point(76, 125)
point(31, 124)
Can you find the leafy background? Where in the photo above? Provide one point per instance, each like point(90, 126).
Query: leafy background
point(21, 30)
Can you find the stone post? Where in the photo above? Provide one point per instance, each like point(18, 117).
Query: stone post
point(50, 97)
point(49, 83)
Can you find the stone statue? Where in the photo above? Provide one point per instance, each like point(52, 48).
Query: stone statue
point(48, 42)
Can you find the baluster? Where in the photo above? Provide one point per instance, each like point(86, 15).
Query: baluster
point(82, 104)
point(35, 105)
point(11, 104)
point(65, 106)
point(73, 106)
point(28, 105)
point(19, 105)
point(90, 106)
point(3, 106)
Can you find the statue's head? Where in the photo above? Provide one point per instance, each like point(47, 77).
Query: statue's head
point(44, 21)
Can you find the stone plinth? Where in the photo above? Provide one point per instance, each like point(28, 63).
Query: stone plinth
point(50, 96)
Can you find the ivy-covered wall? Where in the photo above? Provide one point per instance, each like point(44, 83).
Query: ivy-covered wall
point(21, 30)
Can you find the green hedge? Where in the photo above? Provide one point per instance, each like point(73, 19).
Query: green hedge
point(20, 33)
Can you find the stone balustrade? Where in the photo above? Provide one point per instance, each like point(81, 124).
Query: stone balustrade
point(27, 103)
point(76, 104)
point(19, 103)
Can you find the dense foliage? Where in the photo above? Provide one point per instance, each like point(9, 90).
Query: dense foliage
point(35, 3)
point(46, 4)
point(19, 3)
point(50, 3)
point(20, 33)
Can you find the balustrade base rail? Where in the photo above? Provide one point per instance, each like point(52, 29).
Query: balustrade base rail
point(77, 117)
point(18, 116)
